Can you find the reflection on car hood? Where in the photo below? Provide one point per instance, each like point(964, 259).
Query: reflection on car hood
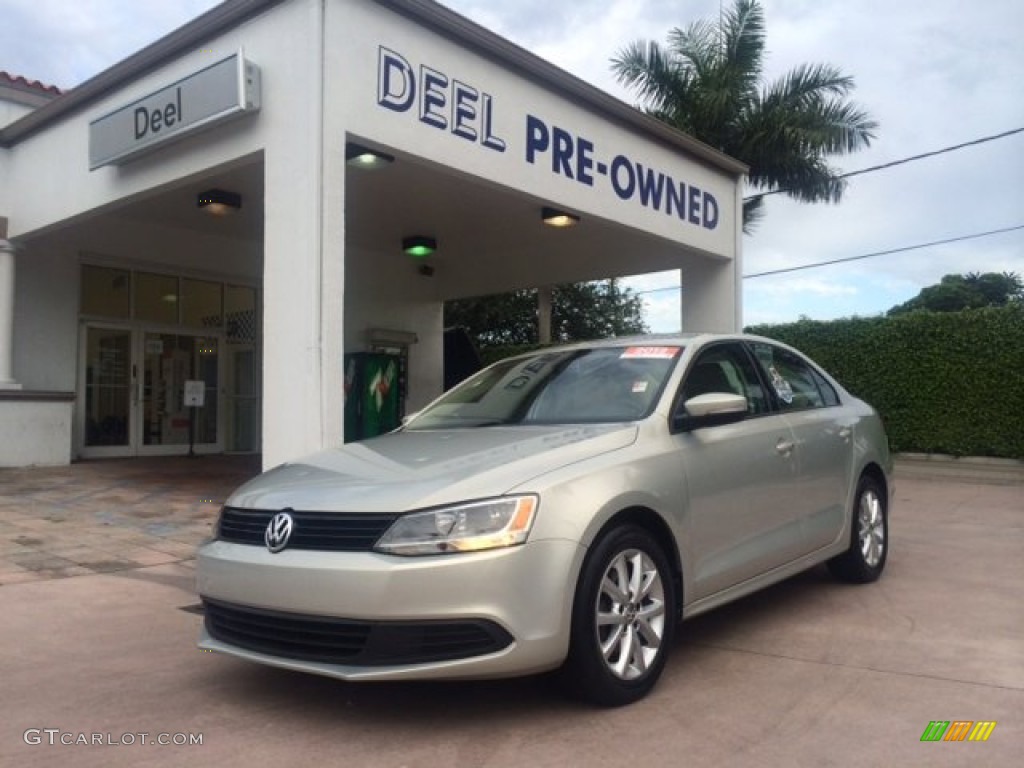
point(415, 469)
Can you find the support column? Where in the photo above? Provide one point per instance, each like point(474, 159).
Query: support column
point(6, 310)
point(709, 300)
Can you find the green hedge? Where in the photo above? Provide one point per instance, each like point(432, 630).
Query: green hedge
point(945, 382)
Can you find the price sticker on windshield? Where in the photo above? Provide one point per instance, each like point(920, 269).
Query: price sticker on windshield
point(650, 353)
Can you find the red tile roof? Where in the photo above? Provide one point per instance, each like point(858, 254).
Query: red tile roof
point(35, 85)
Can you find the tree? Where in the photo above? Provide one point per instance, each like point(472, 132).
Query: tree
point(708, 82)
point(580, 311)
point(971, 291)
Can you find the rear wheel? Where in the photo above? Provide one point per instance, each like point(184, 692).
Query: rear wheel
point(869, 538)
point(623, 619)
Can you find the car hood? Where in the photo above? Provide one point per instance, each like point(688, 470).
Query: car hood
point(415, 469)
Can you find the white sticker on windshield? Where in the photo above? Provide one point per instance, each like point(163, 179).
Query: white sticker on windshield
point(650, 353)
point(639, 387)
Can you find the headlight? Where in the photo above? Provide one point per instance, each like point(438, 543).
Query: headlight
point(470, 527)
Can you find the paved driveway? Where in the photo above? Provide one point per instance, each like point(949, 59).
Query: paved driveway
point(97, 644)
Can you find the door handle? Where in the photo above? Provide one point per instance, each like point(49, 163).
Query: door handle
point(845, 432)
point(784, 447)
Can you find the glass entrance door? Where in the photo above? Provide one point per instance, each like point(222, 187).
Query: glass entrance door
point(168, 361)
point(108, 391)
point(134, 392)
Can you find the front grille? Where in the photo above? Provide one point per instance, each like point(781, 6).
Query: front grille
point(343, 641)
point(329, 531)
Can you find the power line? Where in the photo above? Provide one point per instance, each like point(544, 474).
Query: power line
point(905, 160)
point(887, 252)
point(904, 249)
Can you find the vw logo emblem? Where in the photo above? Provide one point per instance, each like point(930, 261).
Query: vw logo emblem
point(279, 531)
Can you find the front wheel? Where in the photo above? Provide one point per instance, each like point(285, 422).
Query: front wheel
point(869, 538)
point(623, 619)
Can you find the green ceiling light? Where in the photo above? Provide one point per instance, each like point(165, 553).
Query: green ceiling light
point(359, 156)
point(418, 246)
point(556, 218)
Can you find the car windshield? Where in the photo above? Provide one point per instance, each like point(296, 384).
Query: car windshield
point(603, 384)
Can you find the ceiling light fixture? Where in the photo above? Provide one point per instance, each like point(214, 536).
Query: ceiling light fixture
point(359, 156)
point(219, 202)
point(556, 218)
point(418, 246)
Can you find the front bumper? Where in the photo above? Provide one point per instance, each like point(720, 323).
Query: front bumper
point(526, 591)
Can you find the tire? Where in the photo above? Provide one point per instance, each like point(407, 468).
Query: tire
point(864, 561)
point(621, 638)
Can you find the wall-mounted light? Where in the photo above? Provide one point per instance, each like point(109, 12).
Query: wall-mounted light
point(556, 218)
point(359, 156)
point(418, 246)
point(219, 202)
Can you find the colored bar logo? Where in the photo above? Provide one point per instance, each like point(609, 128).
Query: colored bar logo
point(958, 730)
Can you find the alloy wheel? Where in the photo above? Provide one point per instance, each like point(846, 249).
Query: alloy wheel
point(630, 614)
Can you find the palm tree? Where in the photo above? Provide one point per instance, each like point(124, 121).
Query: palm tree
point(708, 83)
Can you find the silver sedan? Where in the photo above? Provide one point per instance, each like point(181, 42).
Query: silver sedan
point(561, 510)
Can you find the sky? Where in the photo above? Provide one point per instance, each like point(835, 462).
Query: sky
point(933, 74)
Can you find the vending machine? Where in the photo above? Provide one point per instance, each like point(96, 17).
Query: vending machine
point(374, 394)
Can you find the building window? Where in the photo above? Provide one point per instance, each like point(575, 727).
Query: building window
point(240, 314)
point(208, 305)
point(201, 304)
point(156, 298)
point(105, 292)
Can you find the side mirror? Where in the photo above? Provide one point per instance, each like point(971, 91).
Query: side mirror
point(710, 410)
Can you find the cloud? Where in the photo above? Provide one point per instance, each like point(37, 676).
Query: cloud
point(64, 43)
point(802, 285)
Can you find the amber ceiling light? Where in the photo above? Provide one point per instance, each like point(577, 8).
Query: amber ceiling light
point(218, 201)
point(553, 217)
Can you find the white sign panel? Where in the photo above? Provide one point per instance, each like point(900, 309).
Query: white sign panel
point(195, 393)
point(443, 103)
point(225, 90)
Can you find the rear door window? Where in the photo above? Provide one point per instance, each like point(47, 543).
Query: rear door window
point(792, 380)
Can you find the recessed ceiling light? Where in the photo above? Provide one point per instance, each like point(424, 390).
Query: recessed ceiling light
point(359, 156)
point(418, 246)
point(218, 201)
point(556, 218)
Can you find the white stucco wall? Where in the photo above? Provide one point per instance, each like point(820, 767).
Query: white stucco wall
point(46, 322)
point(34, 433)
point(11, 111)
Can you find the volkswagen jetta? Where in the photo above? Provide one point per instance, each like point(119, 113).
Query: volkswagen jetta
point(563, 509)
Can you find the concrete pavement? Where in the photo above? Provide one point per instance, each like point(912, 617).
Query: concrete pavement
point(104, 516)
point(808, 673)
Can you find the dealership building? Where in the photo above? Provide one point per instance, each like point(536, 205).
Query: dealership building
point(195, 243)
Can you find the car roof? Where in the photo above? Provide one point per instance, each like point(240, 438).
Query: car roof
point(651, 339)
